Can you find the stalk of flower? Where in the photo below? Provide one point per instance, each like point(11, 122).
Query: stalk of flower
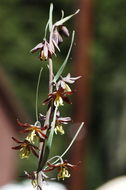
point(25, 148)
point(34, 132)
point(58, 97)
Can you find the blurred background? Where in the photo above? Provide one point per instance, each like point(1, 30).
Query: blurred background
point(100, 100)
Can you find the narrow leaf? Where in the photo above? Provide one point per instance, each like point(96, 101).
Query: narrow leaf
point(65, 61)
point(49, 140)
point(60, 22)
point(50, 17)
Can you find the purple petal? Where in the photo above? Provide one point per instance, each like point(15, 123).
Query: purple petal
point(65, 31)
point(36, 48)
point(55, 44)
point(70, 79)
point(45, 50)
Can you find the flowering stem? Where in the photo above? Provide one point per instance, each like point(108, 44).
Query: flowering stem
point(37, 90)
point(46, 123)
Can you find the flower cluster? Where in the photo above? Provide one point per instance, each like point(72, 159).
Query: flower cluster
point(27, 146)
point(40, 135)
point(47, 48)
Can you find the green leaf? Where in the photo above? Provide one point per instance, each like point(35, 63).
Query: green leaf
point(60, 22)
point(50, 139)
point(58, 74)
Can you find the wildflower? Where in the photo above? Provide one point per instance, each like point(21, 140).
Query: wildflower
point(25, 148)
point(59, 122)
point(46, 50)
point(34, 130)
point(33, 177)
point(58, 32)
point(58, 97)
point(68, 79)
point(62, 169)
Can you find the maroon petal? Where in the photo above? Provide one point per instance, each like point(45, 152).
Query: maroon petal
point(23, 124)
point(17, 147)
point(25, 131)
point(66, 99)
point(68, 92)
point(17, 141)
point(34, 152)
point(45, 136)
point(47, 100)
point(44, 128)
point(35, 147)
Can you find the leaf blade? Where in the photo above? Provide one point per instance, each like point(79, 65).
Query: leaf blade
point(56, 77)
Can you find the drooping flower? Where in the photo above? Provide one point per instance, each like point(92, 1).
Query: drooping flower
point(25, 148)
point(58, 33)
point(33, 177)
point(33, 130)
point(58, 97)
point(59, 122)
point(68, 79)
point(62, 169)
point(46, 50)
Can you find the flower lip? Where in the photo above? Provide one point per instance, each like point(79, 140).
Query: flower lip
point(57, 95)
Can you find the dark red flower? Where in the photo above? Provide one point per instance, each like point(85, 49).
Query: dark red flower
point(25, 148)
point(35, 131)
point(58, 97)
point(62, 169)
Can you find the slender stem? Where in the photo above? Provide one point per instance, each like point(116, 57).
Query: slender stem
point(71, 143)
point(46, 123)
point(74, 138)
point(37, 91)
